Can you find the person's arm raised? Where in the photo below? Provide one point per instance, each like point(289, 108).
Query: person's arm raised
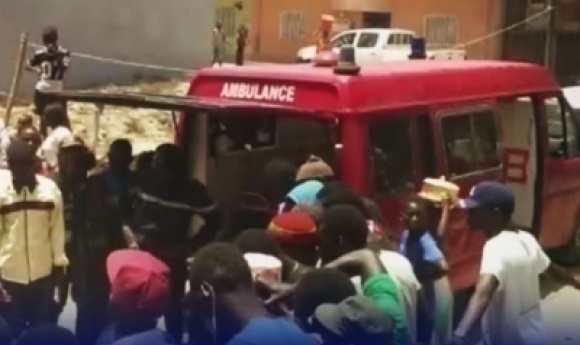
point(362, 262)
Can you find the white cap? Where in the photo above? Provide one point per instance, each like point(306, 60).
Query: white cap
point(264, 266)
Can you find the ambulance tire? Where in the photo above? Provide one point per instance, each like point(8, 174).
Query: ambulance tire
point(572, 257)
point(568, 255)
point(576, 244)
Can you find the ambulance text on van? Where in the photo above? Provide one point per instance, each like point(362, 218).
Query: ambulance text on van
point(257, 92)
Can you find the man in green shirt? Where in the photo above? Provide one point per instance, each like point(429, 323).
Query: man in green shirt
point(378, 286)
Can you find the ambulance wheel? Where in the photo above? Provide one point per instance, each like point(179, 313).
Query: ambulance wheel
point(577, 233)
point(574, 252)
point(569, 255)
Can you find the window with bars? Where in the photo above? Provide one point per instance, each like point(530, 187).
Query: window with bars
point(227, 16)
point(292, 25)
point(441, 31)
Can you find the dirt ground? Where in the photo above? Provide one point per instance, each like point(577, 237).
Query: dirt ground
point(561, 311)
point(146, 128)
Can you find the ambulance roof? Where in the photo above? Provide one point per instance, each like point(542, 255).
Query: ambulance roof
point(388, 86)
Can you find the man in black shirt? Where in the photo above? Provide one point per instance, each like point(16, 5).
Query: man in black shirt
point(162, 215)
point(90, 240)
point(50, 63)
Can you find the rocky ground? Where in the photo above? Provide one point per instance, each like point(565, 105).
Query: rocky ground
point(146, 128)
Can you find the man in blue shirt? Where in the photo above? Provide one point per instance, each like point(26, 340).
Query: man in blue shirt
point(225, 307)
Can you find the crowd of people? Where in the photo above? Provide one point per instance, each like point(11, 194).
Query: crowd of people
point(320, 268)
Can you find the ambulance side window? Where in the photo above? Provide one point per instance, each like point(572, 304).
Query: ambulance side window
point(470, 142)
point(391, 156)
point(562, 129)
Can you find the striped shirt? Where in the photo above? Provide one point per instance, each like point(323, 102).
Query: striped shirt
point(32, 235)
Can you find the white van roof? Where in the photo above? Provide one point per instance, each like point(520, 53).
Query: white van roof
point(379, 30)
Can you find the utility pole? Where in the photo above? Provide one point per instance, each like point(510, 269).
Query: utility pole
point(550, 35)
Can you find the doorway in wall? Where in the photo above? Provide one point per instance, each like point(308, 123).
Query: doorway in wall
point(376, 20)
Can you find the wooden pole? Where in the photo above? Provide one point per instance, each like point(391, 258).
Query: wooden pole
point(16, 78)
point(97, 126)
point(550, 36)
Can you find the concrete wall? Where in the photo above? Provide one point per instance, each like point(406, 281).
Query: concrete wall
point(173, 33)
point(274, 48)
point(244, 17)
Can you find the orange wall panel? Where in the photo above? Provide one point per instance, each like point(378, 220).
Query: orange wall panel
point(476, 18)
point(274, 48)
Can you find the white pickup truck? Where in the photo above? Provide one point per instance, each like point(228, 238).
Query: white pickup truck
point(378, 45)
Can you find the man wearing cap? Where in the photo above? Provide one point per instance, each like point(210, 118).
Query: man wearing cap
point(310, 179)
point(377, 284)
point(140, 294)
point(507, 296)
point(32, 239)
point(295, 234)
point(227, 310)
point(356, 320)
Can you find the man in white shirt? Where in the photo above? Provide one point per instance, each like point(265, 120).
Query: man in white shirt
point(507, 297)
point(60, 134)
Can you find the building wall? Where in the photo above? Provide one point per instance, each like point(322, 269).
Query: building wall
point(169, 33)
point(232, 18)
point(273, 47)
point(475, 19)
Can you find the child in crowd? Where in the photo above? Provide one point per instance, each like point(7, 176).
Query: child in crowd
point(310, 179)
point(430, 267)
point(60, 134)
point(257, 241)
point(225, 308)
point(355, 320)
point(317, 287)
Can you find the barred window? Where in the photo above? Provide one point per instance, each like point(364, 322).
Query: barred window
point(441, 31)
point(292, 25)
point(227, 16)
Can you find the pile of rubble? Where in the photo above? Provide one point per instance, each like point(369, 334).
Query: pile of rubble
point(146, 128)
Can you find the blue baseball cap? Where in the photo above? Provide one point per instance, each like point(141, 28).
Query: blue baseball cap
point(490, 194)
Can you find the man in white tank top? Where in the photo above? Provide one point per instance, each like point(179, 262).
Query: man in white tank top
point(507, 297)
